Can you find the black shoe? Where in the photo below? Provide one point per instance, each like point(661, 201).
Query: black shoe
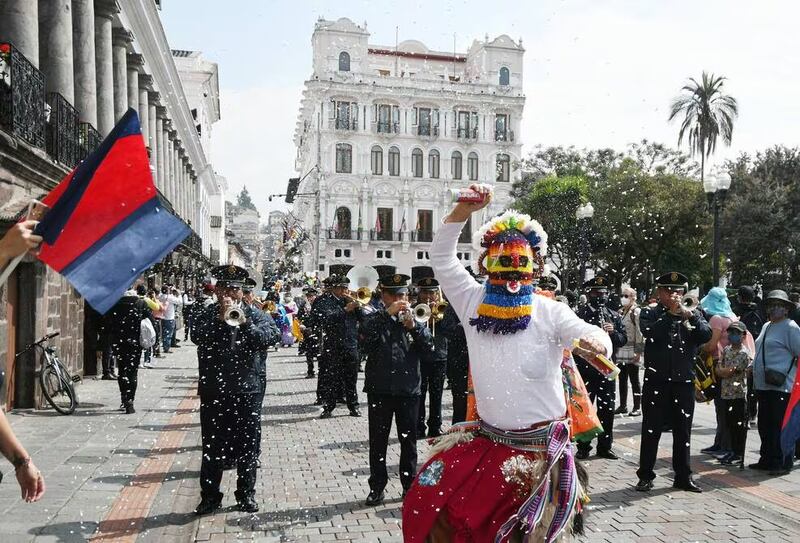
point(319, 402)
point(780, 472)
point(644, 486)
point(711, 450)
point(434, 433)
point(208, 506)
point(326, 414)
point(355, 412)
point(608, 455)
point(730, 458)
point(582, 454)
point(248, 505)
point(621, 410)
point(107, 377)
point(374, 498)
point(310, 375)
point(636, 412)
point(129, 410)
point(759, 466)
point(688, 486)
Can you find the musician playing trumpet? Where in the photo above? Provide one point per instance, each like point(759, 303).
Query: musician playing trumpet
point(434, 367)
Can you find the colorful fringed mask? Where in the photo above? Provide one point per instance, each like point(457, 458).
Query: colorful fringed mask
point(514, 247)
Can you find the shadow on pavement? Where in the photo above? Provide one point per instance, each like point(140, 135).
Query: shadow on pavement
point(66, 532)
point(127, 479)
point(289, 409)
point(148, 453)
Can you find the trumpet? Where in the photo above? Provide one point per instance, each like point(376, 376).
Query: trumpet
point(362, 296)
point(422, 313)
point(234, 316)
point(689, 302)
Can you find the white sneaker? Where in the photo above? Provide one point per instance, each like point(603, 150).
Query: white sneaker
point(147, 365)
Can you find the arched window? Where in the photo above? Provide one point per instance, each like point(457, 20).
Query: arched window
point(377, 160)
point(503, 167)
point(394, 161)
point(343, 224)
point(416, 162)
point(472, 166)
point(344, 61)
point(433, 164)
point(455, 164)
point(505, 76)
point(344, 158)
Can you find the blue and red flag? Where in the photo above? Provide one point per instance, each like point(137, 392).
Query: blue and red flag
point(106, 224)
point(790, 429)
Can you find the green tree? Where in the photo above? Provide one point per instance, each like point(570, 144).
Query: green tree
point(707, 114)
point(244, 201)
point(761, 219)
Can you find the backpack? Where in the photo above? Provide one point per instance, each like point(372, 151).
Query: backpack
point(147, 334)
point(754, 321)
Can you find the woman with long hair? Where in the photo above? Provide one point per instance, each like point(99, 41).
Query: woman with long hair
point(630, 355)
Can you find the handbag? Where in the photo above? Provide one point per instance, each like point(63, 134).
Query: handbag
point(773, 377)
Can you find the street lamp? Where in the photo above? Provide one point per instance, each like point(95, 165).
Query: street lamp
point(584, 214)
point(716, 186)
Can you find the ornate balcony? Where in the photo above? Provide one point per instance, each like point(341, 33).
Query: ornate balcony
point(421, 235)
point(467, 133)
point(345, 124)
point(387, 127)
point(504, 136)
point(88, 140)
point(385, 235)
point(62, 131)
point(22, 97)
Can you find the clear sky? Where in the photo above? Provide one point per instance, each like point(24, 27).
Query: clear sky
point(598, 73)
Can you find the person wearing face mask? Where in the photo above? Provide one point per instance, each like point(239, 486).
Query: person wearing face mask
point(601, 390)
point(629, 356)
point(731, 371)
point(774, 372)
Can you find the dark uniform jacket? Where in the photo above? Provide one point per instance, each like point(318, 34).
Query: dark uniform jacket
point(670, 346)
point(338, 328)
point(393, 355)
point(440, 345)
point(123, 321)
point(228, 356)
point(274, 335)
point(598, 316)
point(451, 328)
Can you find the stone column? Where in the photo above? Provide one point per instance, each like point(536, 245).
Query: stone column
point(171, 169)
point(144, 118)
point(121, 38)
point(160, 148)
point(151, 129)
point(135, 64)
point(55, 47)
point(21, 26)
point(104, 11)
point(84, 58)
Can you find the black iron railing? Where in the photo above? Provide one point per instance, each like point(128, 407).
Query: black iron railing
point(421, 235)
point(386, 127)
point(342, 233)
point(385, 235)
point(194, 242)
point(22, 96)
point(88, 140)
point(504, 135)
point(62, 131)
point(468, 133)
point(346, 124)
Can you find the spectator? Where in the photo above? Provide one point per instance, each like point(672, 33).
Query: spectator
point(16, 241)
point(774, 372)
point(170, 302)
point(718, 308)
point(125, 320)
point(731, 371)
point(753, 318)
point(104, 346)
point(188, 302)
point(629, 356)
point(158, 316)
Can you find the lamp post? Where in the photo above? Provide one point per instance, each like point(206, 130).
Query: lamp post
point(584, 214)
point(716, 186)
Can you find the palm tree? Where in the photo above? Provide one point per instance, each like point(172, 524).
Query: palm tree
point(707, 113)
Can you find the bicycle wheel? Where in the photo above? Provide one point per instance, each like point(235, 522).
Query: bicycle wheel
point(58, 390)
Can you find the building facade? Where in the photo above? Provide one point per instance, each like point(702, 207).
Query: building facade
point(69, 69)
point(384, 133)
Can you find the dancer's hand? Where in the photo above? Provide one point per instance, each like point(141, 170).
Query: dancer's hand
point(589, 347)
point(462, 211)
point(18, 239)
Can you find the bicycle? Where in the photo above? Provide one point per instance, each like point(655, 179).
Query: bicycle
point(54, 377)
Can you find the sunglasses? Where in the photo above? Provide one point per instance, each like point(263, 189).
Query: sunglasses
point(506, 261)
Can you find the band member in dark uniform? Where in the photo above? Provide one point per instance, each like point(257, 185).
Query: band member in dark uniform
point(601, 391)
point(457, 362)
point(310, 343)
point(338, 316)
point(229, 389)
point(249, 299)
point(434, 364)
point(673, 334)
point(395, 344)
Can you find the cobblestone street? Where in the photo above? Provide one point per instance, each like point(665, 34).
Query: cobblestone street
point(112, 477)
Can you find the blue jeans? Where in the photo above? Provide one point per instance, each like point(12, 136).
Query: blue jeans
point(167, 333)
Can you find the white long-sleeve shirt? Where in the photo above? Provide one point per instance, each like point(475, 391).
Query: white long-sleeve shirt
point(517, 377)
point(170, 302)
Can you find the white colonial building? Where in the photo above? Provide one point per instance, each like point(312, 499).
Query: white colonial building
point(385, 132)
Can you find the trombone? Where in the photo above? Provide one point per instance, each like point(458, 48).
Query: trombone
point(430, 314)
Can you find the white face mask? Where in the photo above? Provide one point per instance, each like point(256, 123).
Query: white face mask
point(625, 301)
